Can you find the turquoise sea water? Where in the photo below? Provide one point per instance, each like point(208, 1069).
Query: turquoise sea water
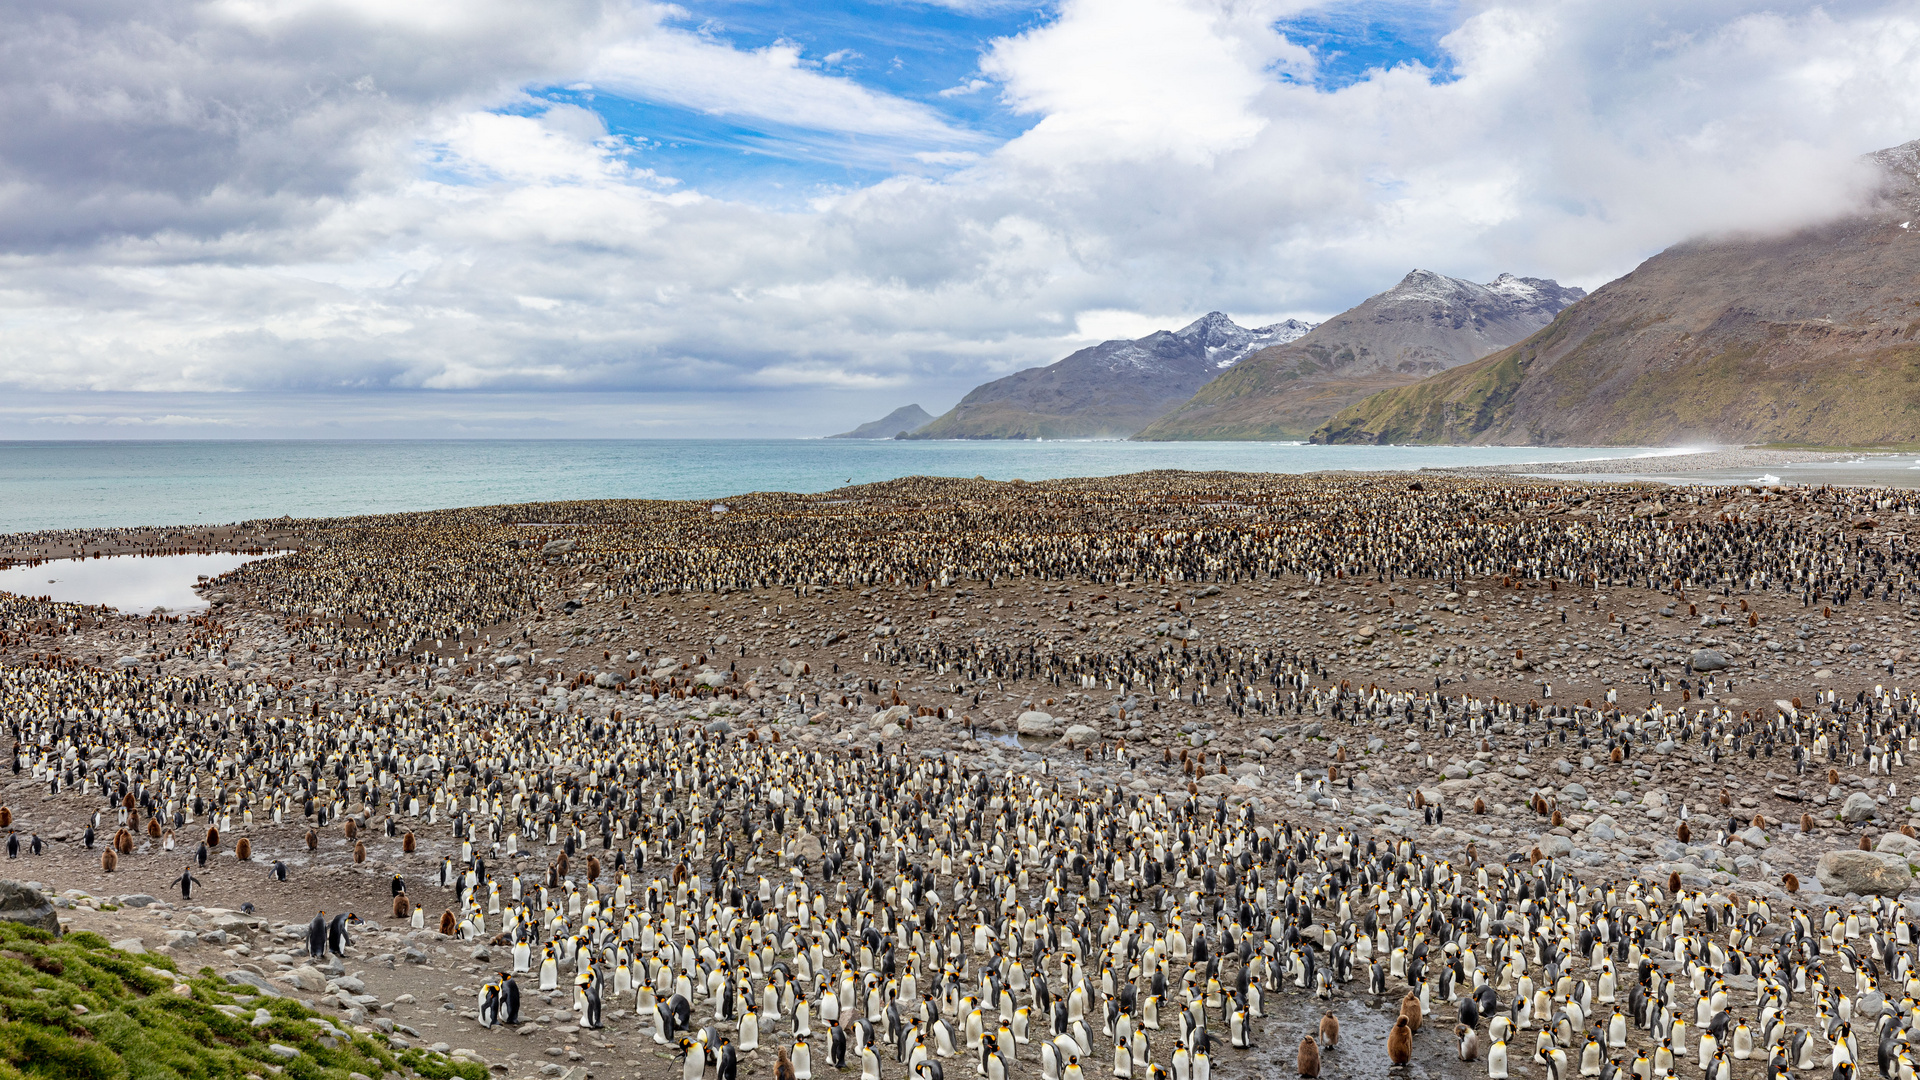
point(60, 485)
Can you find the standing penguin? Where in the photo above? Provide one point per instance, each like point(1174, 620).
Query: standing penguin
point(317, 937)
point(278, 871)
point(694, 1054)
point(509, 1000)
point(1469, 1042)
point(593, 1005)
point(1329, 1030)
point(489, 1005)
point(337, 937)
point(1309, 1056)
point(1400, 1041)
point(749, 1032)
point(186, 882)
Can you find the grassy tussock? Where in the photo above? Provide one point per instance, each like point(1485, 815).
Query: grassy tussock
point(75, 1008)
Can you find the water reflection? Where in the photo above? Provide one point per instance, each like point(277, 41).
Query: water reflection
point(133, 583)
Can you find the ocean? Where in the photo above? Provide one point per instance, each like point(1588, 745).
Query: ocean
point(76, 485)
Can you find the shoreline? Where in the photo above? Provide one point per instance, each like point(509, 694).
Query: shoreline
point(1703, 461)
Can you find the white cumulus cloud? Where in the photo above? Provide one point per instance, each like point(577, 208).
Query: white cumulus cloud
point(353, 199)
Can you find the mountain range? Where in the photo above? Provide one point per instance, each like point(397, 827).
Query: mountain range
point(1215, 379)
point(1109, 390)
point(1427, 323)
point(1808, 337)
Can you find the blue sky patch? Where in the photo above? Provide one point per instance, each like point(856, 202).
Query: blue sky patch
point(924, 53)
point(918, 52)
point(1353, 40)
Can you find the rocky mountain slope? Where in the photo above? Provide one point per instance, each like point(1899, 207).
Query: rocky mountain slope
point(1812, 337)
point(1425, 324)
point(1109, 390)
point(906, 418)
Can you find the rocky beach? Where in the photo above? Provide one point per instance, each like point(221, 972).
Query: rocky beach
point(1689, 700)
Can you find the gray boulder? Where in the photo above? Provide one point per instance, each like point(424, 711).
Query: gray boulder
point(1711, 660)
point(805, 846)
point(305, 977)
point(1080, 735)
point(1878, 873)
point(559, 547)
point(1904, 846)
point(22, 903)
point(257, 982)
point(1035, 722)
point(1858, 807)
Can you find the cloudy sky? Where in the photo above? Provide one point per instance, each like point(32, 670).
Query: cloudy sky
point(725, 217)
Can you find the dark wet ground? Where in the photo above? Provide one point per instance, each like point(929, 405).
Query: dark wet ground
point(1362, 1050)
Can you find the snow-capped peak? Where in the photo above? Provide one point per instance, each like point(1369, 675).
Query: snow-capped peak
point(1227, 342)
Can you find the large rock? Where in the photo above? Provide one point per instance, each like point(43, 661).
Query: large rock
point(1711, 660)
point(1868, 872)
point(305, 977)
point(257, 982)
point(1904, 846)
point(1858, 807)
point(1080, 735)
point(805, 846)
point(22, 903)
point(1034, 722)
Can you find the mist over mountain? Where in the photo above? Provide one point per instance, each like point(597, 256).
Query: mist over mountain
point(1812, 336)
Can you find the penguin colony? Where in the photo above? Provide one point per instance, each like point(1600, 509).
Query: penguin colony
point(1020, 925)
point(903, 915)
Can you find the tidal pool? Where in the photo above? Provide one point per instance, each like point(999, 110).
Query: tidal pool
point(135, 584)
